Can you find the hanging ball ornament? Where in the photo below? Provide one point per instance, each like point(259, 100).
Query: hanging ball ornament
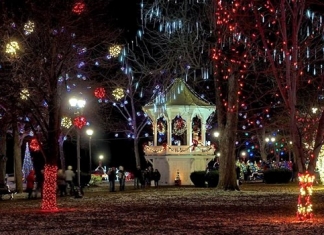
point(118, 93)
point(34, 145)
point(100, 92)
point(66, 122)
point(78, 8)
point(80, 122)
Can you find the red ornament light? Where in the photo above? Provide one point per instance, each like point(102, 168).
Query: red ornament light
point(34, 145)
point(78, 8)
point(100, 92)
point(80, 122)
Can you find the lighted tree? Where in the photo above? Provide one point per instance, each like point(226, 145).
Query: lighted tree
point(28, 164)
point(54, 59)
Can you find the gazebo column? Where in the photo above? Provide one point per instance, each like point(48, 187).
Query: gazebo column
point(203, 134)
point(169, 139)
point(155, 143)
point(189, 132)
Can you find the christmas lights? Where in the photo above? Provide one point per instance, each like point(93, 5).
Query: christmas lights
point(304, 206)
point(49, 189)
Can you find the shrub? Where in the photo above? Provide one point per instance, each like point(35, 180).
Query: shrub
point(212, 178)
point(280, 176)
point(95, 179)
point(198, 178)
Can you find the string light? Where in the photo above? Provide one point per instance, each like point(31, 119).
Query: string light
point(12, 47)
point(49, 189)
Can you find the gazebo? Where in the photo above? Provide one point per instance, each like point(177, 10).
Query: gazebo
point(179, 146)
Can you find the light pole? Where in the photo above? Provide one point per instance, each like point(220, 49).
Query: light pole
point(89, 133)
point(78, 104)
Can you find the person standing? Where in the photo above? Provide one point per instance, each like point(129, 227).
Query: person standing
point(112, 179)
point(39, 183)
point(69, 175)
point(156, 177)
point(121, 178)
point(30, 183)
point(137, 177)
point(61, 183)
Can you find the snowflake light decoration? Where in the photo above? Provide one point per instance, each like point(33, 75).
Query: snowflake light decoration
point(100, 92)
point(29, 27)
point(115, 50)
point(66, 122)
point(12, 47)
point(24, 94)
point(78, 8)
point(118, 93)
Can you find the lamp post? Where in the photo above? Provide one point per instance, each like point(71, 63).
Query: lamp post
point(78, 104)
point(89, 133)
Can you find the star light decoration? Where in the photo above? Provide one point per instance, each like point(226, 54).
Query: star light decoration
point(78, 8)
point(24, 94)
point(12, 47)
point(118, 93)
point(29, 27)
point(115, 50)
point(66, 122)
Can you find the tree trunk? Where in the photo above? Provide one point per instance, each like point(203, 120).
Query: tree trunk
point(17, 159)
point(227, 173)
point(3, 159)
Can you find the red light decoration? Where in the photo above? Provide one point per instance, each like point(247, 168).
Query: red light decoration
point(78, 8)
point(80, 122)
point(49, 189)
point(34, 145)
point(100, 92)
point(305, 207)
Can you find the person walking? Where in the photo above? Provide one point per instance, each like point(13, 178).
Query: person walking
point(69, 175)
point(112, 179)
point(156, 177)
point(137, 177)
point(61, 183)
point(30, 183)
point(39, 183)
point(121, 178)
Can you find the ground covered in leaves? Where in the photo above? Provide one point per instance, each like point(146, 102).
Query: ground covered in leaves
point(256, 209)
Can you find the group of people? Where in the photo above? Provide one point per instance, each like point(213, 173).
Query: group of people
point(144, 178)
point(65, 180)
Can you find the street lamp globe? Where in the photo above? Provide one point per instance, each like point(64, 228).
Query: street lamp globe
point(216, 134)
point(89, 132)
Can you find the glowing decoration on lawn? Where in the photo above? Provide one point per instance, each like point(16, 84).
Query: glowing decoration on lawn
point(100, 92)
point(24, 94)
point(49, 188)
point(80, 122)
point(12, 47)
point(34, 145)
point(66, 122)
point(118, 93)
point(179, 126)
point(305, 207)
point(78, 8)
point(115, 50)
point(28, 163)
point(29, 27)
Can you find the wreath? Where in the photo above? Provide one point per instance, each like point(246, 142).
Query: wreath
point(179, 126)
point(161, 127)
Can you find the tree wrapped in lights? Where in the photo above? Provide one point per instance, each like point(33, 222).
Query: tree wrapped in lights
point(60, 46)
